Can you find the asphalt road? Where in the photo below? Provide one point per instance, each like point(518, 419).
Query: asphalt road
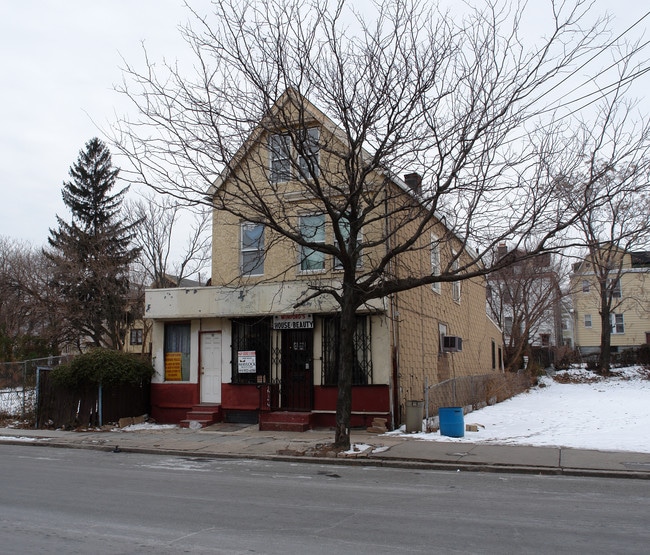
point(85, 501)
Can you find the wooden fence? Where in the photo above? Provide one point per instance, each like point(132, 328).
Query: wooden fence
point(88, 406)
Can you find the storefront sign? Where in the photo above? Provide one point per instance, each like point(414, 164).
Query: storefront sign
point(293, 321)
point(246, 362)
point(173, 367)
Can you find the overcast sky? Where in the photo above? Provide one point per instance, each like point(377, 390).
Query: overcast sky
point(60, 60)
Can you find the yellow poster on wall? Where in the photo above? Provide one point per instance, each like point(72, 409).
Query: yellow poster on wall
point(173, 367)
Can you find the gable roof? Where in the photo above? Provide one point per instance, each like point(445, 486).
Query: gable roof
point(290, 95)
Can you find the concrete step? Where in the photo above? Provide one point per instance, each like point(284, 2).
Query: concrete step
point(187, 423)
point(285, 421)
point(204, 414)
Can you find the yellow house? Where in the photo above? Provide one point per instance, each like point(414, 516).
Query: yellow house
point(630, 309)
point(257, 341)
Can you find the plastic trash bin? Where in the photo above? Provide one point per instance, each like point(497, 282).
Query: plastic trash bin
point(452, 421)
point(414, 416)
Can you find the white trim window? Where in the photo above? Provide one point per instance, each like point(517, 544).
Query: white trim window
point(455, 285)
point(617, 324)
point(344, 226)
point(617, 292)
point(135, 336)
point(586, 286)
point(442, 331)
point(280, 158)
point(284, 162)
point(587, 320)
point(312, 229)
point(435, 262)
point(308, 165)
point(252, 249)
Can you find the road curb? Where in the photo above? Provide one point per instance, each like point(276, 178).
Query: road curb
point(376, 461)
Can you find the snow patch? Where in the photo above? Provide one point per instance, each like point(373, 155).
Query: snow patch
point(586, 412)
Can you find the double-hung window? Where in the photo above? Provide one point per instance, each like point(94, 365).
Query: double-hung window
point(587, 320)
point(435, 261)
point(136, 336)
point(252, 249)
point(284, 162)
point(344, 227)
point(617, 323)
point(308, 162)
point(312, 230)
point(280, 157)
point(615, 287)
point(455, 285)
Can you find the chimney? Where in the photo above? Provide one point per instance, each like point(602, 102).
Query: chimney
point(502, 249)
point(413, 181)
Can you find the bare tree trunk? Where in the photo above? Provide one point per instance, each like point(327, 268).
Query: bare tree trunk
point(604, 359)
point(346, 362)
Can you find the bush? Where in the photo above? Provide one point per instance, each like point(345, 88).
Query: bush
point(103, 366)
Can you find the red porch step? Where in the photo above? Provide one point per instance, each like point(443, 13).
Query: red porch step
point(284, 421)
point(204, 414)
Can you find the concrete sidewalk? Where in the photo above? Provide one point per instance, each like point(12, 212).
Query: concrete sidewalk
point(241, 441)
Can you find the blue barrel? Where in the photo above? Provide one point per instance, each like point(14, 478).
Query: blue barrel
point(452, 423)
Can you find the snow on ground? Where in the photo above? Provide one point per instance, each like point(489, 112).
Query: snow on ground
point(611, 414)
point(12, 399)
point(145, 426)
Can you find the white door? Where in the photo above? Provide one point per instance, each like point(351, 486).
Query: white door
point(211, 367)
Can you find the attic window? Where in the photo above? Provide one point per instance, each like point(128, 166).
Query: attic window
point(308, 158)
point(280, 158)
point(304, 161)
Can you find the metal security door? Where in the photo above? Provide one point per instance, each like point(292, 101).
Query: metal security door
point(297, 369)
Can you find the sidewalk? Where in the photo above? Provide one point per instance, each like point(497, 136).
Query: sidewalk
point(241, 441)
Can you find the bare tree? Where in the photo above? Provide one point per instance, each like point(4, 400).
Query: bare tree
point(30, 324)
point(525, 299)
point(616, 191)
point(463, 102)
point(158, 221)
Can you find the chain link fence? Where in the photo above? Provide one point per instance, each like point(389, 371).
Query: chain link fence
point(19, 386)
point(475, 391)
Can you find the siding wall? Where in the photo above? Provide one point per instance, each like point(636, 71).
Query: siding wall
point(634, 305)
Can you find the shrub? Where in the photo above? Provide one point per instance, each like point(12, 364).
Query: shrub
point(103, 366)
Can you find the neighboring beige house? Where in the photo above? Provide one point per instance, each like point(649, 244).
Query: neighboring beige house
point(245, 346)
point(138, 338)
point(630, 318)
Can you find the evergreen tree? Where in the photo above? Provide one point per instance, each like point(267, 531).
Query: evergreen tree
point(92, 253)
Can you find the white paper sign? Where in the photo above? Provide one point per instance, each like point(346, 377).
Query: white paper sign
point(246, 362)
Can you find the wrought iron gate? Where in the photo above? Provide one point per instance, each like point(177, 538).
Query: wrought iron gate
point(297, 369)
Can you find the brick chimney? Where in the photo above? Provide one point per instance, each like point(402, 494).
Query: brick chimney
point(413, 181)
